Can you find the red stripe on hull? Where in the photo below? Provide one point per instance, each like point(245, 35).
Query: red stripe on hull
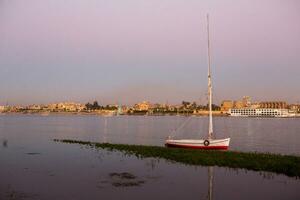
point(196, 147)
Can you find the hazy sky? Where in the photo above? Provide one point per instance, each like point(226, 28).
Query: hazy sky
point(124, 51)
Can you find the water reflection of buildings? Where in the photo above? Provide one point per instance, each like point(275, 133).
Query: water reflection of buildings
point(105, 131)
point(152, 163)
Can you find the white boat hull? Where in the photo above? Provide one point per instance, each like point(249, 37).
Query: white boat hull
point(199, 144)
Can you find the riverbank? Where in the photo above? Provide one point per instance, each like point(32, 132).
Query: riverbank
point(280, 164)
point(108, 114)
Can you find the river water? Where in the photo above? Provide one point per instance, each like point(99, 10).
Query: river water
point(32, 166)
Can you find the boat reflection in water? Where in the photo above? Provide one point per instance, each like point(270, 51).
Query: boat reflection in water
point(210, 182)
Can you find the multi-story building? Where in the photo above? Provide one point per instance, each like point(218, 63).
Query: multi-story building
point(51, 107)
point(295, 108)
point(273, 104)
point(227, 105)
point(124, 109)
point(143, 106)
point(246, 101)
point(34, 107)
point(66, 106)
point(238, 104)
point(255, 105)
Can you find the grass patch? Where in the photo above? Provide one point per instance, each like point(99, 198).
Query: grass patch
point(280, 164)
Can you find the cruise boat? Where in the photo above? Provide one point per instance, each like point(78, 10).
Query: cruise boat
point(209, 142)
point(259, 112)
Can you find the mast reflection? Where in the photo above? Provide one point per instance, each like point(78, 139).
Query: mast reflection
point(210, 183)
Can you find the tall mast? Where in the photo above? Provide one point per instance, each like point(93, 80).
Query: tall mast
point(210, 128)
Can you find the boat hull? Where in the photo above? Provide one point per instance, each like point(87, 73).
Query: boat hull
point(221, 144)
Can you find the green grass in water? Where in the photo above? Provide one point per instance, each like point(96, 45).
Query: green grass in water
point(280, 164)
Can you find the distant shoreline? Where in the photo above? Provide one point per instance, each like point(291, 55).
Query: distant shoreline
point(108, 114)
point(131, 114)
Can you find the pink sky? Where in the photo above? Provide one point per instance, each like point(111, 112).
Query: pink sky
point(128, 51)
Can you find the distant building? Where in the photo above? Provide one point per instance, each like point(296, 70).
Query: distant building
point(226, 105)
point(173, 107)
point(246, 101)
point(112, 106)
point(295, 108)
point(157, 105)
point(273, 104)
point(73, 107)
point(238, 104)
point(143, 106)
point(229, 104)
point(2, 108)
point(255, 105)
point(123, 109)
point(34, 107)
point(65, 106)
point(51, 107)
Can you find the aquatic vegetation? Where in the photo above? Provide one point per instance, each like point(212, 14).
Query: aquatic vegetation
point(281, 164)
point(123, 179)
point(33, 153)
point(11, 194)
point(4, 143)
point(124, 175)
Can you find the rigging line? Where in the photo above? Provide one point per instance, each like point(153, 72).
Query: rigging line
point(173, 132)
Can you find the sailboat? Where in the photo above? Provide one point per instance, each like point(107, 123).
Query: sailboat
point(209, 142)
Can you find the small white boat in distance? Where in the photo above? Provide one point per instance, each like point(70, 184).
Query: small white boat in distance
point(208, 143)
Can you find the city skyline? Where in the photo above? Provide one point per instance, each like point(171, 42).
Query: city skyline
point(117, 52)
point(242, 100)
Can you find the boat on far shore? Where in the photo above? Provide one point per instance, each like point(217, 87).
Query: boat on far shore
point(261, 112)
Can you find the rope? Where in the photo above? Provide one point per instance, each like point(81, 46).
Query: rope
point(173, 132)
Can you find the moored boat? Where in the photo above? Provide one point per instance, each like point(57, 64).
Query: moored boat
point(199, 144)
point(209, 142)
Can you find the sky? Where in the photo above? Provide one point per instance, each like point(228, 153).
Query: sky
point(117, 51)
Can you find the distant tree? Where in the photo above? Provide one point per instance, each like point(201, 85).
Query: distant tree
point(110, 107)
point(213, 107)
point(96, 105)
point(89, 106)
point(185, 104)
point(201, 107)
point(194, 105)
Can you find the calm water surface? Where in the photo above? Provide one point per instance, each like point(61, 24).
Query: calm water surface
point(32, 166)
